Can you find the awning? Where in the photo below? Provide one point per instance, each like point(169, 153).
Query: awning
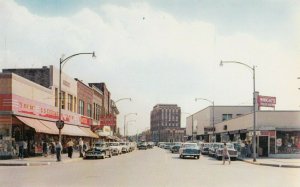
point(51, 125)
point(36, 125)
point(73, 130)
point(89, 132)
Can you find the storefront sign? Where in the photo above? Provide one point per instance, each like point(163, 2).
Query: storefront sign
point(209, 129)
point(108, 120)
point(85, 121)
point(268, 133)
point(266, 101)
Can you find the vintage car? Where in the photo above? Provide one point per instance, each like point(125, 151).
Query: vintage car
point(132, 146)
point(150, 145)
point(125, 147)
point(213, 148)
point(232, 152)
point(115, 147)
point(175, 148)
point(99, 150)
point(204, 148)
point(142, 145)
point(189, 149)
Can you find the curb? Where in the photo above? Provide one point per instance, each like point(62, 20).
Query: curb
point(40, 163)
point(26, 164)
point(271, 165)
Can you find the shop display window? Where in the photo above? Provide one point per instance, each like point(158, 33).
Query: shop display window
point(288, 142)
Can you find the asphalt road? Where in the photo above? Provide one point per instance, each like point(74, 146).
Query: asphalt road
point(154, 167)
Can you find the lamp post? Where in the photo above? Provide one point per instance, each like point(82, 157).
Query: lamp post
point(62, 61)
point(125, 122)
point(127, 126)
point(213, 104)
point(192, 123)
point(254, 103)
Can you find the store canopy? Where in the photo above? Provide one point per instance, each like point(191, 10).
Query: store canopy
point(88, 131)
point(73, 130)
point(36, 125)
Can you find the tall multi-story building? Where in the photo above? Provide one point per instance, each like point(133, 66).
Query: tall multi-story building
point(164, 116)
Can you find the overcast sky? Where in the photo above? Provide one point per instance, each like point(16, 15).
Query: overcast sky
point(162, 51)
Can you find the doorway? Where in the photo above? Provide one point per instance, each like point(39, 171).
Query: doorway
point(263, 149)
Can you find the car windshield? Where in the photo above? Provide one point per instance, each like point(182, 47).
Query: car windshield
point(122, 143)
point(113, 144)
point(229, 146)
point(190, 146)
point(99, 145)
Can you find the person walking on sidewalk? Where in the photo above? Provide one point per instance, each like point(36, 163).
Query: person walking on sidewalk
point(21, 149)
point(70, 145)
point(45, 148)
point(80, 147)
point(25, 147)
point(52, 149)
point(58, 148)
point(225, 154)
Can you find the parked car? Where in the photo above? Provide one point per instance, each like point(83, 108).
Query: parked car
point(175, 148)
point(213, 148)
point(231, 150)
point(99, 150)
point(142, 145)
point(115, 147)
point(150, 145)
point(204, 148)
point(132, 146)
point(125, 147)
point(189, 149)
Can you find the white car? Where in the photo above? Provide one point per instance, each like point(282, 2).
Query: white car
point(125, 147)
point(232, 152)
point(190, 150)
point(116, 148)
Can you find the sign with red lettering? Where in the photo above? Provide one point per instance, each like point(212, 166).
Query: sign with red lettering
point(266, 101)
point(108, 120)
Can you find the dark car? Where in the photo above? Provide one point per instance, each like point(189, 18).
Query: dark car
point(142, 145)
point(175, 148)
point(99, 150)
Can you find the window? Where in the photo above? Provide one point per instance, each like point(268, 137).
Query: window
point(96, 115)
point(63, 100)
point(89, 110)
point(75, 105)
point(226, 117)
point(56, 97)
point(81, 107)
point(70, 102)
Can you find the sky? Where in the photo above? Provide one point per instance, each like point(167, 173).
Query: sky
point(162, 51)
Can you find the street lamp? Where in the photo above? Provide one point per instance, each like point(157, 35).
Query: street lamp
point(123, 99)
point(125, 121)
point(213, 104)
point(192, 124)
point(254, 103)
point(62, 61)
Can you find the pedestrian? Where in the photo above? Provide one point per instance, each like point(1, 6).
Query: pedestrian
point(58, 149)
point(248, 150)
point(25, 147)
point(225, 154)
point(80, 147)
point(52, 149)
point(45, 148)
point(70, 145)
point(21, 150)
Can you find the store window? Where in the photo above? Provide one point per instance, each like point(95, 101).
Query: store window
point(63, 100)
point(288, 142)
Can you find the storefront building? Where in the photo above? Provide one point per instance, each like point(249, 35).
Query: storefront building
point(29, 110)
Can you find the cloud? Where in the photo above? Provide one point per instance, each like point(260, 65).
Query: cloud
point(151, 56)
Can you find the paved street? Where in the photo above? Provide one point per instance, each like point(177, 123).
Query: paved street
point(154, 167)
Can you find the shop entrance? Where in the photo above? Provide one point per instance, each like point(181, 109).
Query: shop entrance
point(263, 149)
point(218, 138)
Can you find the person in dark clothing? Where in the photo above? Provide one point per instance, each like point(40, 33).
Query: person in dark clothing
point(21, 150)
point(45, 149)
point(58, 149)
point(70, 145)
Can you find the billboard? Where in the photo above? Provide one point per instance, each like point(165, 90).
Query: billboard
point(266, 101)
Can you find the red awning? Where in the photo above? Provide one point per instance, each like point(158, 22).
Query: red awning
point(36, 125)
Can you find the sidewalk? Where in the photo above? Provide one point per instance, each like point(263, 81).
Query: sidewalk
point(274, 162)
point(40, 160)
